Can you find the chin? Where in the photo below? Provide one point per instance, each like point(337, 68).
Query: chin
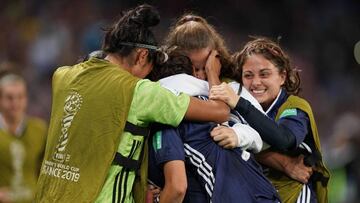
point(258, 98)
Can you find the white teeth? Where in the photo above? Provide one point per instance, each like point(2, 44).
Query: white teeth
point(258, 91)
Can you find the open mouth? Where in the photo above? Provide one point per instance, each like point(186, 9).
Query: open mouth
point(257, 92)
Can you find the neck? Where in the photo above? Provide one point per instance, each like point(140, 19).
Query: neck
point(265, 106)
point(120, 61)
point(268, 106)
point(12, 123)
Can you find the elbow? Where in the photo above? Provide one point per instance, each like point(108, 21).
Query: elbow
point(180, 189)
point(223, 118)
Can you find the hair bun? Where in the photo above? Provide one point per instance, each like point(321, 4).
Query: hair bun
point(190, 17)
point(145, 15)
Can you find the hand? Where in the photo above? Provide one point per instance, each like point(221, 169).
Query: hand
point(296, 169)
point(152, 193)
point(213, 65)
point(225, 136)
point(225, 93)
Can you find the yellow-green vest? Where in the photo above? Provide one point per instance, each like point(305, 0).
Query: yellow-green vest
point(20, 159)
point(288, 188)
point(90, 105)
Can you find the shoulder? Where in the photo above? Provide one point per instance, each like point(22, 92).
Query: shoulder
point(295, 106)
point(146, 87)
point(145, 83)
point(298, 102)
point(61, 70)
point(36, 124)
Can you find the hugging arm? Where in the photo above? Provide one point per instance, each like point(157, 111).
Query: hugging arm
point(278, 136)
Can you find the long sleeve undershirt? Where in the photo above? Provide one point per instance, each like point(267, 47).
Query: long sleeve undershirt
point(278, 136)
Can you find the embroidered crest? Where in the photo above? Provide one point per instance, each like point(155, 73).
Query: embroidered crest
point(157, 140)
point(288, 112)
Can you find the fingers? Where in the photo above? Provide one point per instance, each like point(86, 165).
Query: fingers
point(298, 171)
point(218, 90)
point(224, 142)
point(304, 180)
point(214, 53)
point(307, 172)
point(227, 143)
point(213, 62)
point(225, 137)
point(219, 96)
point(218, 130)
point(219, 137)
point(302, 177)
point(225, 93)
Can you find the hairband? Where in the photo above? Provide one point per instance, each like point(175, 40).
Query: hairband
point(146, 46)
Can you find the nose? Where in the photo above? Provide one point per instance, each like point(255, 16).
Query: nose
point(256, 81)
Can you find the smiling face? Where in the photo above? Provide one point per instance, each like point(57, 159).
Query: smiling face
point(198, 58)
point(262, 79)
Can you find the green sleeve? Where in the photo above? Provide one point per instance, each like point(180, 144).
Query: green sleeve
point(153, 103)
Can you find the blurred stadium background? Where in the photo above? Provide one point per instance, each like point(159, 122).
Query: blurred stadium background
point(39, 35)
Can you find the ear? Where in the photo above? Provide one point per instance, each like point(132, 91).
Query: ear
point(283, 77)
point(141, 58)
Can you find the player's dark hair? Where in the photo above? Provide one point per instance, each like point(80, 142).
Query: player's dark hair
point(133, 27)
point(177, 63)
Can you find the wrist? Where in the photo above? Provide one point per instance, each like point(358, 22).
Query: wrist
point(211, 71)
point(234, 102)
point(285, 165)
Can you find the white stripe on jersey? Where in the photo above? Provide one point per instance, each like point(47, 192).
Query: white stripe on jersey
point(304, 196)
point(203, 168)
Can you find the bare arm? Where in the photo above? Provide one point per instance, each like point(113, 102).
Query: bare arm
point(292, 166)
point(277, 135)
point(175, 182)
point(211, 110)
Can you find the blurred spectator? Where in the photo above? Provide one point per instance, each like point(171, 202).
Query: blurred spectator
point(343, 159)
point(22, 142)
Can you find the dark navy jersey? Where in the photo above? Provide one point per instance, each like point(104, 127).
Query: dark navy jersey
point(295, 120)
point(215, 174)
point(298, 123)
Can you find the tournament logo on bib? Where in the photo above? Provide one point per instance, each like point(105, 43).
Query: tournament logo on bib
point(72, 105)
point(59, 167)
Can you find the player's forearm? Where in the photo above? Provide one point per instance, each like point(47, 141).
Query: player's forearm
point(272, 159)
point(272, 133)
point(172, 195)
point(212, 78)
point(175, 182)
point(216, 111)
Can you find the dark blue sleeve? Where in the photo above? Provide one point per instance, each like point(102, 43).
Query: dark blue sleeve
point(298, 125)
point(167, 146)
point(278, 136)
